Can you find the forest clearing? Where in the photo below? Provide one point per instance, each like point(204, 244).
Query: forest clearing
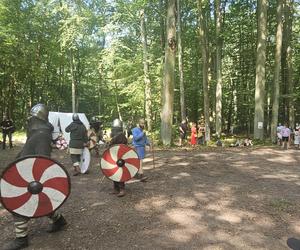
point(222, 198)
point(194, 106)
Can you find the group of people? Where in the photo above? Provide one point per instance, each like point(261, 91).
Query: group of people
point(197, 133)
point(287, 136)
point(39, 143)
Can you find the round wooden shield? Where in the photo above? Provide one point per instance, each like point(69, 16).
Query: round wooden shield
point(85, 160)
point(61, 144)
point(92, 139)
point(34, 186)
point(120, 163)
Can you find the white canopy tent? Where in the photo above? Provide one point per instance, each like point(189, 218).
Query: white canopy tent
point(61, 120)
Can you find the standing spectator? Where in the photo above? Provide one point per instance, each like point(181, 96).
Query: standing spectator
point(285, 133)
point(8, 128)
point(78, 140)
point(118, 137)
point(279, 136)
point(201, 134)
point(297, 136)
point(182, 132)
point(139, 142)
point(193, 134)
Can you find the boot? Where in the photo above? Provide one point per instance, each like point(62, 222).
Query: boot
point(141, 177)
point(121, 193)
point(76, 171)
point(116, 189)
point(57, 225)
point(17, 243)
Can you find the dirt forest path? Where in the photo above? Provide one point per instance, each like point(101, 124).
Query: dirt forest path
point(194, 199)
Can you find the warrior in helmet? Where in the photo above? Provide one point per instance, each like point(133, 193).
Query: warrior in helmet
point(39, 136)
point(118, 137)
point(78, 140)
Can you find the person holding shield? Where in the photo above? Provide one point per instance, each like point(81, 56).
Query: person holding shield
point(78, 140)
point(139, 142)
point(39, 137)
point(118, 137)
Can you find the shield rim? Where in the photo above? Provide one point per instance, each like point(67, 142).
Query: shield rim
point(35, 156)
point(107, 150)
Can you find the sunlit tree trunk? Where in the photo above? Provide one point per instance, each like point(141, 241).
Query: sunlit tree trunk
point(73, 82)
point(218, 67)
point(260, 69)
point(288, 16)
point(276, 85)
point(204, 49)
point(147, 82)
point(180, 64)
point(169, 75)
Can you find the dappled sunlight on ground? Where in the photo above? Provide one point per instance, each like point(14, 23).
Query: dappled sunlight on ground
point(194, 199)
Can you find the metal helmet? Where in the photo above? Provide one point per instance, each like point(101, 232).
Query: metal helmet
point(117, 123)
point(75, 117)
point(40, 111)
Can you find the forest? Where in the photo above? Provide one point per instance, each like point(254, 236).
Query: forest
point(234, 65)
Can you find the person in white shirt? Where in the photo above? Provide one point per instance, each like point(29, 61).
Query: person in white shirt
point(285, 133)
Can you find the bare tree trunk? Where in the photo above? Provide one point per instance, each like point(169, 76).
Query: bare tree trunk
point(288, 13)
point(169, 75)
point(218, 18)
point(276, 86)
point(162, 26)
point(260, 69)
point(73, 82)
point(147, 82)
point(204, 49)
point(117, 101)
point(180, 64)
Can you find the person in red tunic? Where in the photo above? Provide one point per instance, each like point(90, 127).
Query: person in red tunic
point(193, 134)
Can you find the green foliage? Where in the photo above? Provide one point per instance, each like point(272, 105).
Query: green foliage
point(40, 39)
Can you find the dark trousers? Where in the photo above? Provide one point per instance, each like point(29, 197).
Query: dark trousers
point(9, 134)
point(119, 185)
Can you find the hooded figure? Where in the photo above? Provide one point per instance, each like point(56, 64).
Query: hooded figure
point(78, 140)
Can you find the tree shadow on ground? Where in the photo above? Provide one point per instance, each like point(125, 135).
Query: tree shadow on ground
point(194, 199)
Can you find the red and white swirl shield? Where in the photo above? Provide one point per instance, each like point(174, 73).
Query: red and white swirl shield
point(120, 163)
point(34, 186)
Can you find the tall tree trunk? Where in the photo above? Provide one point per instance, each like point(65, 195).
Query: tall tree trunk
point(162, 26)
point(204, 48)
point(275, 105)
point(218, 18)
point(147, 82)
point(169, 75)
point(288, 13)
point(116, 91)
point(260, 69)
point(180, 64)
point(73, 82)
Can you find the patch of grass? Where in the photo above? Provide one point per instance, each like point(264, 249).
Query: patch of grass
point(281, 205)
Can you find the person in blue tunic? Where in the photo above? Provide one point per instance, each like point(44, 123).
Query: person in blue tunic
point(139, 142)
